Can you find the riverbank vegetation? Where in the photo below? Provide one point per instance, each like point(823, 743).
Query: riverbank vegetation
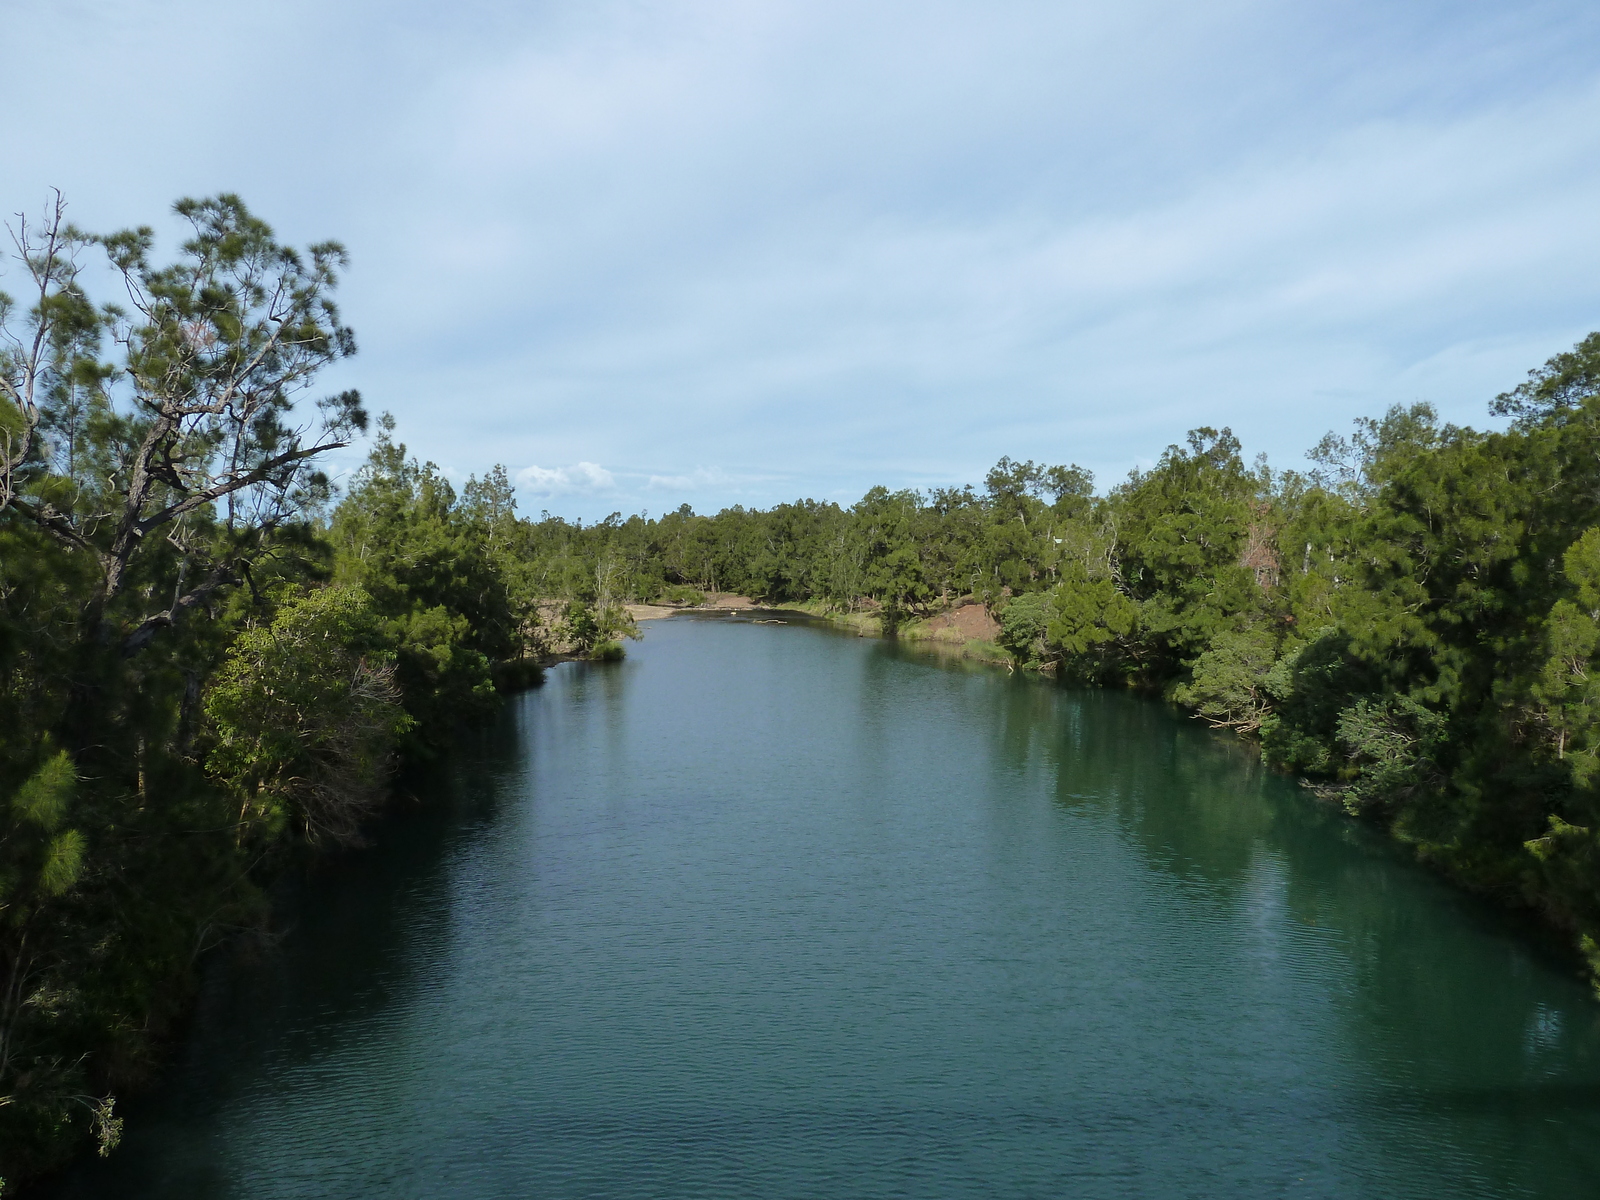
point(1412, 624)
point(213, 661)
point(209, 664)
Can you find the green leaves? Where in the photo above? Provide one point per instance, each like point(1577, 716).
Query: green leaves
point(1567, 689)
point(1554, 391)
point(63, 860)
point(439, 574)
point(1182, 544)
point(1228, 682)
point(39, 860)
point(1392, 743)
point(1582, 562)
point(1086, 614)
point(42, 801)
point(1023, 623)
point(305, 718)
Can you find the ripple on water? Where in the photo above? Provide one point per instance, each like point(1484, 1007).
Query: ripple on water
point(767, 912)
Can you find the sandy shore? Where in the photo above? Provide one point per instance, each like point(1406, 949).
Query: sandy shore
point(651, 612)
point(722, 600)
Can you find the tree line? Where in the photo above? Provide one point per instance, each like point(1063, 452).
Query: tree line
point(210, 664)
point(1411, 624)
point(212, 661)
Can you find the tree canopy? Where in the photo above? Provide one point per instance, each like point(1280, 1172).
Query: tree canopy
point(212, 663)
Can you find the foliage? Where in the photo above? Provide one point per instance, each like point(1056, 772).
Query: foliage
point(184, 702)
point(305, 715)
point(186, 431)
point(208, 667)
point(436, 572)
point(1088, 620)
point(1228, 681)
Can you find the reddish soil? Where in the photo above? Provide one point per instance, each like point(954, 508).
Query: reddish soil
point(969, 622)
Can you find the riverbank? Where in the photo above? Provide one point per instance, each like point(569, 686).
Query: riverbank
point(968, 631)
point(1103, 946)
point(713, 602)
point(865, 623)
point(964, 629)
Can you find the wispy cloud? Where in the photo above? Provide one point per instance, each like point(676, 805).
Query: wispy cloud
point(580, 479)
point(703, 479)
point(832, 245)
point(696, 480)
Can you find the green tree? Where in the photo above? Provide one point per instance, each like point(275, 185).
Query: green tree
point(305, 718)
point(158, 479)
point(401, 536)
point(199, 461)
point(1228, 682)
point(1183, 530)
point(41, 858)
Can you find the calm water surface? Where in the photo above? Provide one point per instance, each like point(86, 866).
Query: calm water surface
point(773, 912)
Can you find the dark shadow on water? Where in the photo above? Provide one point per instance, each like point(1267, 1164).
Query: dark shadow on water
point(912, 907)
point(348, 927)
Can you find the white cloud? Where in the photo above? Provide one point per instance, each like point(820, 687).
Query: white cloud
point(584, 478)
point(696, 480)
point(703, 479)
point(837, 245)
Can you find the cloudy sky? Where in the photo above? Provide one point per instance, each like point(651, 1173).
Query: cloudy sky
point(737, 251)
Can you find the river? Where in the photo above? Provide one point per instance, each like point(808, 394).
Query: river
point(770, 911)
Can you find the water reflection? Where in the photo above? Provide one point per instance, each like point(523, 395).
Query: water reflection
point(1461, 1027)
point(770, 911)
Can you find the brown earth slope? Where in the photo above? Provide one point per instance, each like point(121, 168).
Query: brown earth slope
point(968, 623)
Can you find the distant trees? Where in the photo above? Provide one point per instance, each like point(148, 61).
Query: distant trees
point(1414, 622)
point(210, 663)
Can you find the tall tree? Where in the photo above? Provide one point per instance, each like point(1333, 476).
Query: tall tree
point(201, 456)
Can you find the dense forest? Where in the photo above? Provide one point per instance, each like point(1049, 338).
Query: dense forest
point(212, 661)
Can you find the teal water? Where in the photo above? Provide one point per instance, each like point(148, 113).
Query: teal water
point(773, 912)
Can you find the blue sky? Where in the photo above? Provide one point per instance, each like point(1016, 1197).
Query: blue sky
point(740, 252)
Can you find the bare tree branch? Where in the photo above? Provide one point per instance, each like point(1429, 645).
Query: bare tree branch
point(259, 474)
point(221, 576)
point(55, 524)
point(199, 400)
